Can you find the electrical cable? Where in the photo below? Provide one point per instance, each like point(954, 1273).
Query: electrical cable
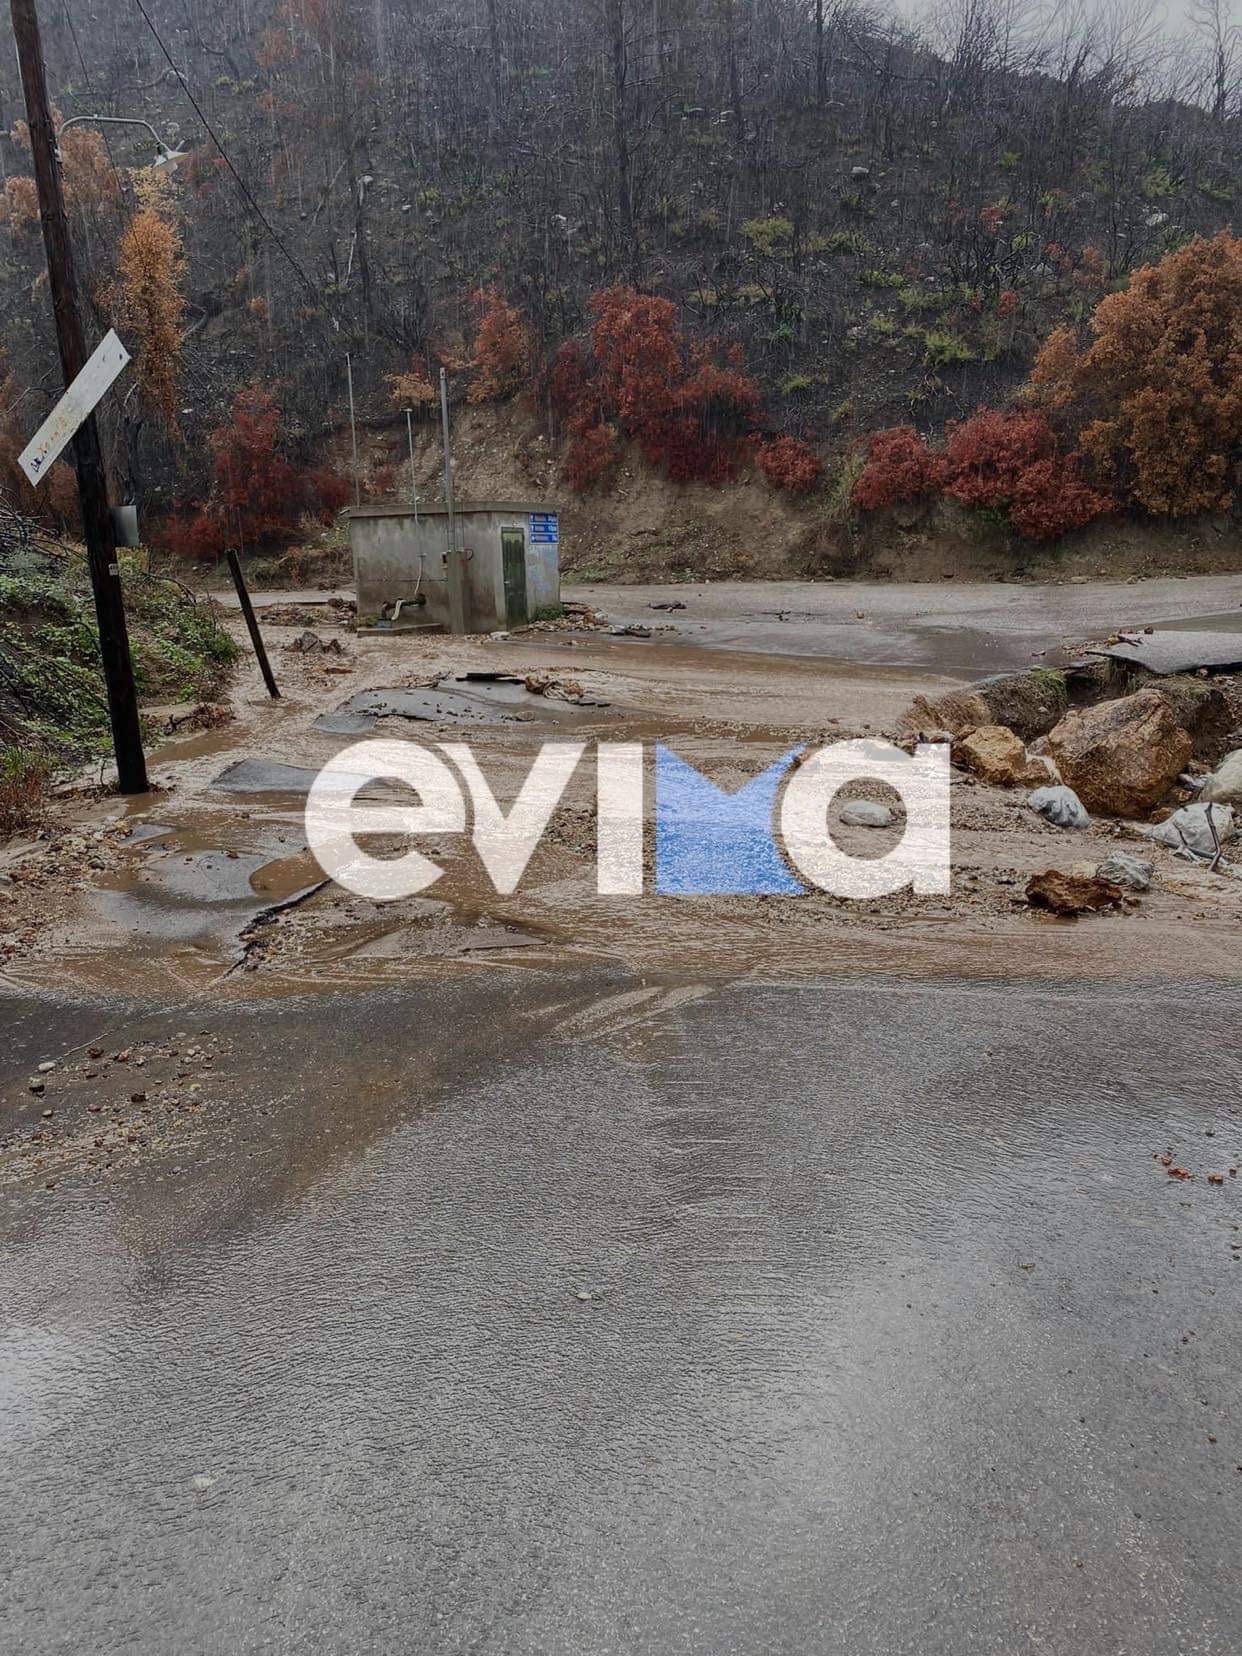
point(227, 159)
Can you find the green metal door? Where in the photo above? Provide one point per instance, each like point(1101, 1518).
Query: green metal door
point(513, 555)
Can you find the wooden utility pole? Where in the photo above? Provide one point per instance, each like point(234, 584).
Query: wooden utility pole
point(97, 526)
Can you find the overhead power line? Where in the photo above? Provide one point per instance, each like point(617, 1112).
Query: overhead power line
point(228, 161)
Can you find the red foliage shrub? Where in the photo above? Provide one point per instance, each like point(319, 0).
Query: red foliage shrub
point(691, 414)
point(194, 539)
point(569, 381)
point(327, 491)
point(1050, 499)
point(900, 468)
point(1001, 459)
point(591, 455)
point(254, 485)
point(789, 464)
point(985, 456)
point(256, 495)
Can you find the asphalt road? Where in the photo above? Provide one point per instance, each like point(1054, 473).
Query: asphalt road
point(527, 1315)
point(963, 629)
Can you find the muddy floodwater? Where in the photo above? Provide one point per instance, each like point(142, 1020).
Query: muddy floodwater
point(549, 1273)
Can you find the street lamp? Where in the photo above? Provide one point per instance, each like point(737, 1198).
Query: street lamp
point(165, 155)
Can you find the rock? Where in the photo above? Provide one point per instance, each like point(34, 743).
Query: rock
point(1123, 756)
point(38, 1088)
point(1060, 806)
point(865, 813)
point(1201, 709)
point(1071, 894)
point(1030, 704)
point(1123, 869)
point(1188, 830)
point(46, 1067)
point(860, 172)
point(996, 755)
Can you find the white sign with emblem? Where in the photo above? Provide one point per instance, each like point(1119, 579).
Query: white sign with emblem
point(52, 437)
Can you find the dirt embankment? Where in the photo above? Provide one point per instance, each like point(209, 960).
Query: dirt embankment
point(644, 528)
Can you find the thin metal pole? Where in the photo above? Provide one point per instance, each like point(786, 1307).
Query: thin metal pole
point(252, 626)
point(98, 529)
point(453, 570)
point(409, 432)
point(353, 428)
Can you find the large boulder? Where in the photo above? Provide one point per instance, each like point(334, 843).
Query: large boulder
point(996, 755)
point(1121, 757)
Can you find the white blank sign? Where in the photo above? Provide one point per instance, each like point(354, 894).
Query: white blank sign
point(48, 443)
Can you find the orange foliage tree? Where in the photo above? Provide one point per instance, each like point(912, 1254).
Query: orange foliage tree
point(502, 350)
point(1155, 396)
point(414, 389)
point(147, 303)
point(19, 205)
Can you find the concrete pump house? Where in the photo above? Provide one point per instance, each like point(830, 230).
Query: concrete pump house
point(510, 557)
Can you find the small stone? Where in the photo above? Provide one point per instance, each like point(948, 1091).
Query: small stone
point(865, 813)
point(48, 1114)
point(46, 1067)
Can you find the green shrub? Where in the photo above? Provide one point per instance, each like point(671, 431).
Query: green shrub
point(769, 235)
point(944, 350)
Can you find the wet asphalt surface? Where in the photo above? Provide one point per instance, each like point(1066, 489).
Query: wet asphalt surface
point(525, 1313)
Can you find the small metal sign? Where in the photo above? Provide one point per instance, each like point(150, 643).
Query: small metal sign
point(52, 437)
point(544, 529)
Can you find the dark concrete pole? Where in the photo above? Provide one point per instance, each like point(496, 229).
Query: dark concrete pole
point(97, 526)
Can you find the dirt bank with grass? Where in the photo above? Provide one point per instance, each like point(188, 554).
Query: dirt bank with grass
point(53, 706)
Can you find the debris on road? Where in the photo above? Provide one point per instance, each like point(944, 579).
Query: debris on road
point(1188, 831)
point(1121, 757)
point(310, 643)
point(1072, 894)
point(1124, 869)
point(205, 716)
point(557, 689)
point(996, 755)
point(1060, 806)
